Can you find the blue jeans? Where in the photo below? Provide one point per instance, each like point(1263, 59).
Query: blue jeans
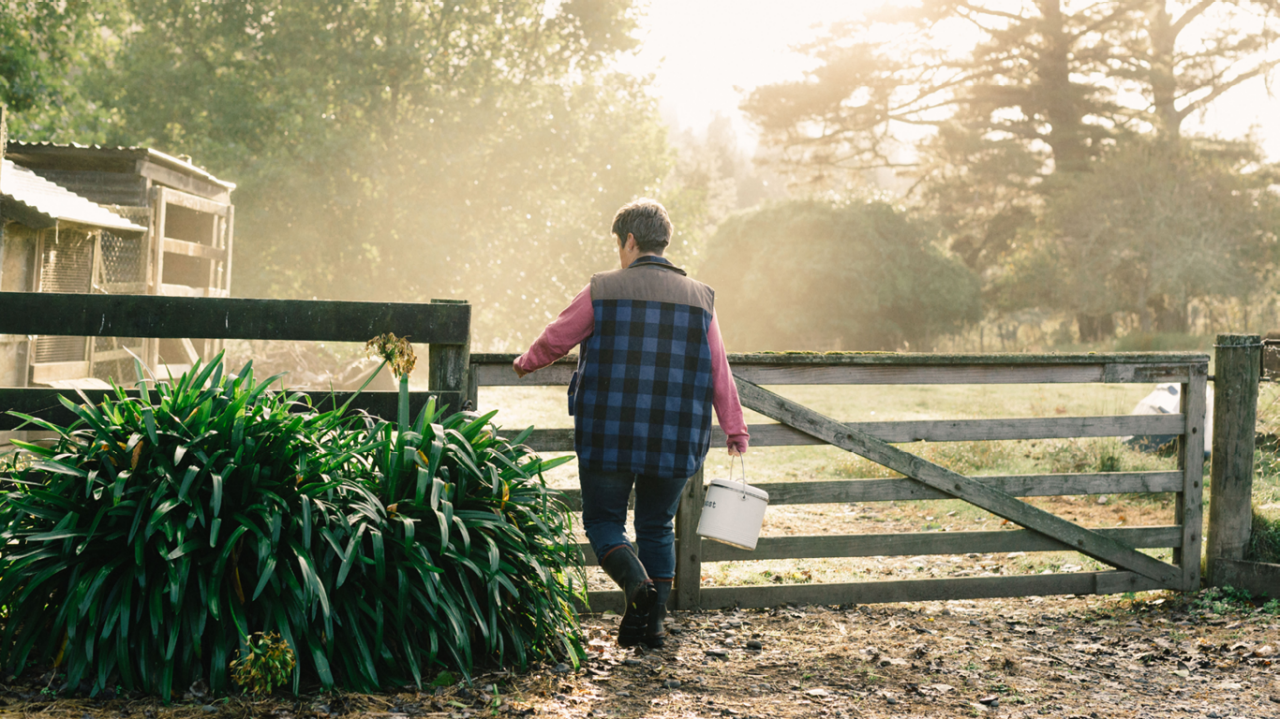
point(604, 516)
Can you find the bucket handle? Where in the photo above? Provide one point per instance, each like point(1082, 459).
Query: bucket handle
point(742, 460)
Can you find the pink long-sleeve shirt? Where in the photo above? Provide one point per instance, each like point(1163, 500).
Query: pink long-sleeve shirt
point(577, 322)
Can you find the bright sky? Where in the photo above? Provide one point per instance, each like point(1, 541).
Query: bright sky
point(706, 54)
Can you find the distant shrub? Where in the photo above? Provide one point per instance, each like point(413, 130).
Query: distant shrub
point(1162, 342)
point(1264, 539)
point(812, 273)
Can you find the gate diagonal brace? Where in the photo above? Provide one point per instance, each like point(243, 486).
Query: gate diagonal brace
point(1003, 505)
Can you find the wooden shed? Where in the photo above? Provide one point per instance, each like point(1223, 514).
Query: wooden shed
point(175, 240)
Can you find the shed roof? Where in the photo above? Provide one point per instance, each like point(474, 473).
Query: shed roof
point(118, 159)
point(31, 197)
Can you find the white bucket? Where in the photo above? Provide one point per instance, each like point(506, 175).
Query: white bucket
point(733, 512)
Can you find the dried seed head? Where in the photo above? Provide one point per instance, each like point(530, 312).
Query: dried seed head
point(396, 351)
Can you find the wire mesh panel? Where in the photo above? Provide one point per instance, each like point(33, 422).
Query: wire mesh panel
point(122, 271)
point(66, 262)
point(124, 259)
point(66, 265)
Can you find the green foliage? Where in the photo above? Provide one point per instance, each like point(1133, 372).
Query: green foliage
point(265, 662)
point(1264, 538)
point(393, 150)
point(1222, 600)
point(1162, 342)
point(165, 527)
point(863, 274)
point(1153, 227)
point(52, 56)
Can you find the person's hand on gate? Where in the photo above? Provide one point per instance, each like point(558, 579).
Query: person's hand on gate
point(515, 365)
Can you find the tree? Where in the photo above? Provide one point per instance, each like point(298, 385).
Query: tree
point(1182, 55)
point(51, 55)
point(1020, 114)
point(818, 275)
point(1154, 227)
point(989, 120)
point(1031, 75)
point(404, 150)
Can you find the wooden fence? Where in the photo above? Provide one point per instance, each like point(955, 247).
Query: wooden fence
point(443, 325)
point(799, 426)
point(1238, 363)
point(454, 375)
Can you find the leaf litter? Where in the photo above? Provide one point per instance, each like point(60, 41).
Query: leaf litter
point(1156, 655)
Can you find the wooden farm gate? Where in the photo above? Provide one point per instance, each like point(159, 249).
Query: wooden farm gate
point(798, 425)
point(444, 325)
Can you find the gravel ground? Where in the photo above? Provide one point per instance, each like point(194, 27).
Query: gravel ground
point(1162, 655)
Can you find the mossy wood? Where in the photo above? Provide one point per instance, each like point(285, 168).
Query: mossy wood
point(1188, 369)
point(1258, 578)
point(891, 368)
point(1237, 364)
point(1188, 501)
point(914, 544)
point(909, 590)
point(689, 544)
point(852, 491)
point(1001, 504)
point(943, 430)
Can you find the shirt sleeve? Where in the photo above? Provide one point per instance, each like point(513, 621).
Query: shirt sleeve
point(728, 406)
point(575, 323)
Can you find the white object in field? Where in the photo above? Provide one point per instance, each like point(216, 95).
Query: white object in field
point(1166, 398)
point(733, 512)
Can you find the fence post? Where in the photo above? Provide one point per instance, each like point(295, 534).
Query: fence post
point(449, 365)
point(1189, 509)
point(1237, 362)
point(688, 582)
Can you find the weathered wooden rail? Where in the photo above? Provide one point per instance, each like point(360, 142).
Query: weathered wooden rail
point(443, 325)
point(1116, 546)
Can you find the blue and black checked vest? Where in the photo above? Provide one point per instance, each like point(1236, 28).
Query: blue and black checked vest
point(641, 398)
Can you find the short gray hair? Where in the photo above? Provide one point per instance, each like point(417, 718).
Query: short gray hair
point(647, 221)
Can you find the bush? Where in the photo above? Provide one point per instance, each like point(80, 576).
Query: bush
point(165, 527)
point(1264, 538)
point(864, 274)
point(1162, 342)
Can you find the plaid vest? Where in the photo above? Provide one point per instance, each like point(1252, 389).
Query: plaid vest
point(641, 398)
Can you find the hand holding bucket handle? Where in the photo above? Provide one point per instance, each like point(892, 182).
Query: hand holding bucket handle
point(736, 523)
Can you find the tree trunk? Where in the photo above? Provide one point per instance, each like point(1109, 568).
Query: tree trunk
point(1061, 104)
point(1095, 328)
point(1164, 83)
point(1169, 314)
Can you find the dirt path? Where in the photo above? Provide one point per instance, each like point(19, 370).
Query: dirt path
point(1022, 658)
point(1163, 656)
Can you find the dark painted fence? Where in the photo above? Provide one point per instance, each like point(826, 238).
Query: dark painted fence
point(443, 325)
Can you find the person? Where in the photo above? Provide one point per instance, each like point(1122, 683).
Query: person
point(651, 366)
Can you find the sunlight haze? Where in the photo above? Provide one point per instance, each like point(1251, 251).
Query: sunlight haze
point(706, 55)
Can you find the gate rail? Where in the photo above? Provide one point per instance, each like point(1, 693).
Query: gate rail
point(1183, 534)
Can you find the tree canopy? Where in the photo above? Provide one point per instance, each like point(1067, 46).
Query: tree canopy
point(383, 149)
point(1021, 142)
